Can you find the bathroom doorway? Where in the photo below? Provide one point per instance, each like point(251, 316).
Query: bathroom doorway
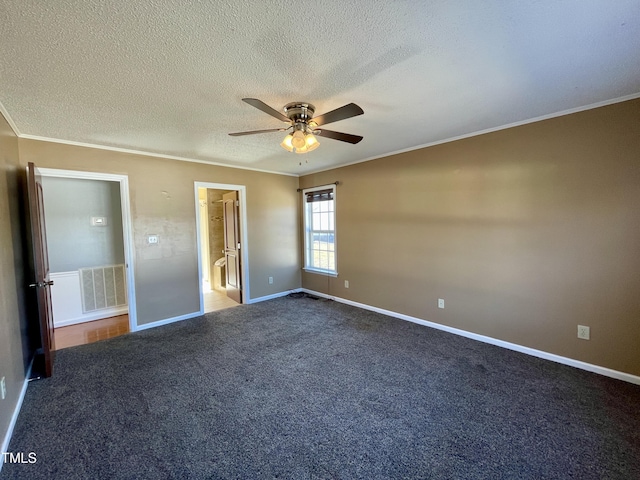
point(221, 249)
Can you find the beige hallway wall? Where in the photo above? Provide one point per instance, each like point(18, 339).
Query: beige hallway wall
point(163, 203)
point(14, 353)
point(525, 232)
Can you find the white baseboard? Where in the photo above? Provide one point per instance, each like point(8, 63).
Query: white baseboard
point(166, 321)
point(607, 372)
point(275, 295)
point(14, 417)
point(90, 317)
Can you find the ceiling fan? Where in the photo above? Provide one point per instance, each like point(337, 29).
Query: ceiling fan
point(304, 126)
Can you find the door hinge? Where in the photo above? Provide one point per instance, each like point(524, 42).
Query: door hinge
point(237, 203)
point(238, 245)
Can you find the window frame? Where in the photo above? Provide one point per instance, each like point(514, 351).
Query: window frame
point(308, 267)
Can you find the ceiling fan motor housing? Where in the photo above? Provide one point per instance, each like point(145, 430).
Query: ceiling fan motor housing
point(299, 112)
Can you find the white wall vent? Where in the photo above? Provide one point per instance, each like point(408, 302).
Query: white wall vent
point(102, 287)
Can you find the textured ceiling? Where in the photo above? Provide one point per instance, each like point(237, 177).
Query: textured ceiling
point(168, 76)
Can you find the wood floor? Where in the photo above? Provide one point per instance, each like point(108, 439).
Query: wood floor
point(89, 332)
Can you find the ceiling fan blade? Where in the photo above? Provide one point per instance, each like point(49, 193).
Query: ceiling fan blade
point(346, 111)
point(343, 137)
point(253, 132)
point(260, 105)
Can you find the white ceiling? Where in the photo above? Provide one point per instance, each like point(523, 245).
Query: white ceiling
point(168, 76)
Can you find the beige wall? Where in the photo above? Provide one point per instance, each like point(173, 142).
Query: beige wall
point(13, 351)
point(526, 233)
point(163, 203)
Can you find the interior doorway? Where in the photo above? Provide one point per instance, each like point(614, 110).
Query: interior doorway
point(88, 228)
point(222, 246)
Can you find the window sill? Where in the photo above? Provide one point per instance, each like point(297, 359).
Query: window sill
point(321, 272)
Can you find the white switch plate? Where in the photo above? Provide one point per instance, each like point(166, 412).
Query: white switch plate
point(346, 284)
point(441, 303)
point(3, 388)
point(583, 332)
point(270, 280)
point(152, 239)
point(99, 221)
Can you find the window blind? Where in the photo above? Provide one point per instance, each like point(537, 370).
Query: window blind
point(320, 195)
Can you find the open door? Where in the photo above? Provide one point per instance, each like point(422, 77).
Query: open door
point(231, 213)
point(42, 282)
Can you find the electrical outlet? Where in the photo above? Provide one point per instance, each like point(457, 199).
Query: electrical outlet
point(152, 239)
point(3, 388)
point(583, 332)
point(270, 280)
point(346, 284)
point(441, 303)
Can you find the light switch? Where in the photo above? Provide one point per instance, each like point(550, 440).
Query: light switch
point(153, 239)
point(99, 221)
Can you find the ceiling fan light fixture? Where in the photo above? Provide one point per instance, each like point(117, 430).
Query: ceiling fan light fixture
point(302, 124)
point(306, 141)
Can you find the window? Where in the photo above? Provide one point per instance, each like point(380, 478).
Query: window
point(320, 229)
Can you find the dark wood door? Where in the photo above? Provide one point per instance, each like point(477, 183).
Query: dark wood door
point(231, 213)
point(41, 281)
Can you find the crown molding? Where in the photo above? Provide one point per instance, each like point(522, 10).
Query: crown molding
point(148, 154)
point(388, 154)
point(9, 120)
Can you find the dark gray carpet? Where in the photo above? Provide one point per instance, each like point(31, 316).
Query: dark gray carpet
point(305, 389)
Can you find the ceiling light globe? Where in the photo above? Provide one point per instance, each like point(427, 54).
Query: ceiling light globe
point(298, 141)
point(311, 142)
point(310, 139)
point(286, 143)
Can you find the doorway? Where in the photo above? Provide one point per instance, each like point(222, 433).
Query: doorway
point(90, 247)
point(222, 246)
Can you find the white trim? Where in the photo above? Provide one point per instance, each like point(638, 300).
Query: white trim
point(198, 314)
point(274, 295)
point(127, 229)
point(482, 132)
point(71, 273)
point(16, 412)
point(14, 127)
point(59, 173)
point(148, 154)
point(93, 316)
point(167, 321)
point(244, 242)
point(607, 372)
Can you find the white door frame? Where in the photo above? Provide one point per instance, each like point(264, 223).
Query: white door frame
point(127, 230)
point(244, 245)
